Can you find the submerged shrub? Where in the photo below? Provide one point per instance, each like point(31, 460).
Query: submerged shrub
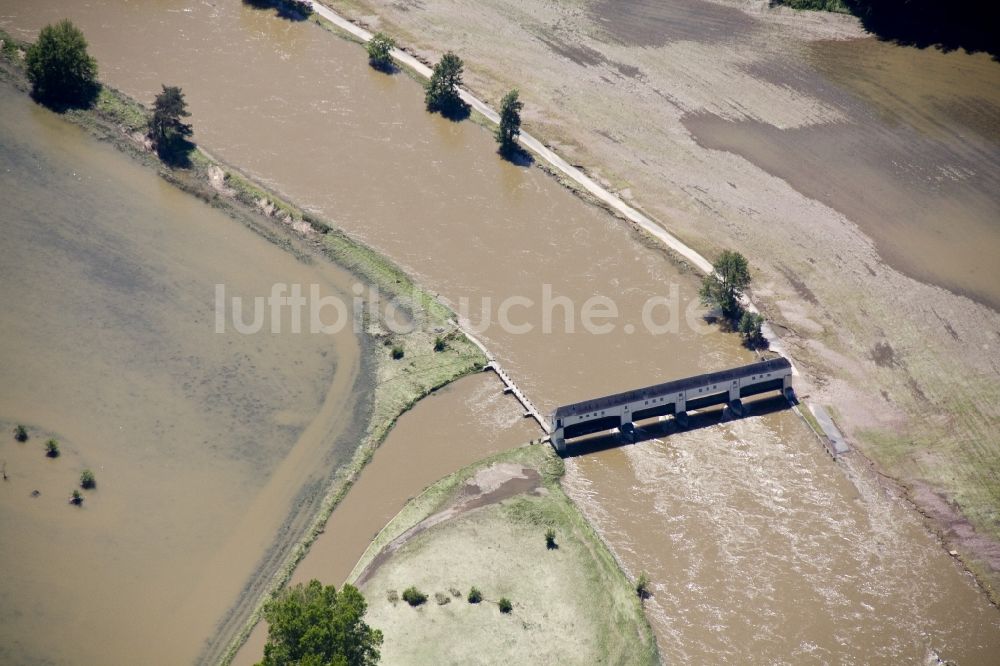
point(475, 596)
point(642, 586)
point(749, 328)
point(52, 448)
point(21, 433)
point(378, 48)
point(413, 596)
point(505, 605)
point(87, 480)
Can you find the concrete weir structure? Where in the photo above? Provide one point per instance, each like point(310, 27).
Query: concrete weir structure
point(677, 397)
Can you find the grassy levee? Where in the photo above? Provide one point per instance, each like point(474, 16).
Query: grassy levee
point(500, 548)
point(398, 383)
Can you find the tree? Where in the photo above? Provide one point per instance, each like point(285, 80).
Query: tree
point(379, 48)
point(724, 287)
point(510, 122)
point(317, 625)
point(505, 605)
point(60, 69)
point(442, 90)
point(166, 130)
point(475, 596)
point(550, 539)
point(749, 328)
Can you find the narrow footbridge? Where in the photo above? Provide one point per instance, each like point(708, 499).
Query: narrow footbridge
point(676, 398)
point(510, 387)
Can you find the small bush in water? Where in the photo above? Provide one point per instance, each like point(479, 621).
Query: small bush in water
point(21, 433)
point(642, 586)
point(52, 448)
point(87, 480)
point(378, 48)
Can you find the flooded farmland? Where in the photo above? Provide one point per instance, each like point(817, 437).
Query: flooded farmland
point(208, 449)
point(915, 161)
point(745, 527)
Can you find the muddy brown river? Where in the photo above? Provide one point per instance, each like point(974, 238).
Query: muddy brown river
point(760, 547)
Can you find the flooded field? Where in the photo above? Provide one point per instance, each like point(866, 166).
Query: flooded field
point(915, 161)
point(207, 448)
point(746, 528)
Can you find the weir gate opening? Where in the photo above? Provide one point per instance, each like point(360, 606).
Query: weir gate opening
point(676, 398)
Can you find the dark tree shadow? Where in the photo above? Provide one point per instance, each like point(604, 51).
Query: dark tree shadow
point(454, 110)
point(389, 68)
point(660, 429)
point(84, 98)
point(756, 344)
point(290, 10)
point(176, 153)
point(516, 155)
point(972, 25)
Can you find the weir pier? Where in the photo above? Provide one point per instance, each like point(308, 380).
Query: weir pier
point(677, 398)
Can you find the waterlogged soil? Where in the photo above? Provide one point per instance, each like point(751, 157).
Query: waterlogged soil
point(207, 447)
point(915, 161)
point(301, 110)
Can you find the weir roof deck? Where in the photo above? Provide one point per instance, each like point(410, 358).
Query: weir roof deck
point(672, 387)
